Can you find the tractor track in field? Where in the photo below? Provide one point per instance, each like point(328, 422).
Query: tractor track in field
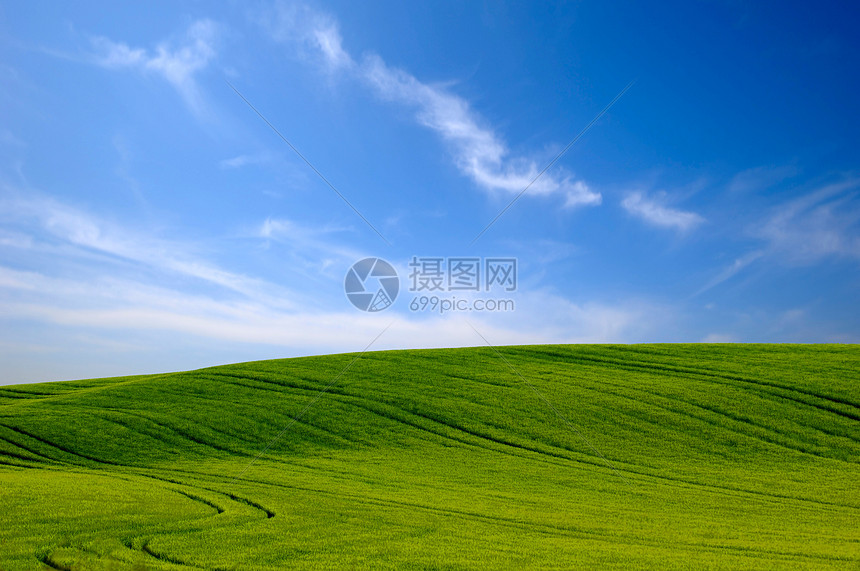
point(46, 560)
point(65, 449)
point(714, 410)
point(351, 399)
point(283, 392)
point(782, 452)
point(174, 429)
point(698, 373)
point(556, 455)
point(29, 450)
point(791, 444)
point(184, 434)
point(164, 558)
point(538, 527)
point(362, 401)
point(242, 500)
point(765, 395)
point(12, 393)
point(218, 509)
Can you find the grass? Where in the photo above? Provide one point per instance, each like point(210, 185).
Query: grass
point(675, 457)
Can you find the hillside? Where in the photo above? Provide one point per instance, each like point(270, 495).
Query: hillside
point(667, 456)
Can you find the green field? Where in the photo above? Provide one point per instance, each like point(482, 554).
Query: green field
point(647, 456)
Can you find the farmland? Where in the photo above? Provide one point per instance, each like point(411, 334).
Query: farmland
point(639, 456)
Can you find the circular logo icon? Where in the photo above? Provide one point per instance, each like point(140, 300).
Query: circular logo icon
point(371, 284)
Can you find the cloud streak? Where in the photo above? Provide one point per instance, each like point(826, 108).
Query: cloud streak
point(176, 61)
point(479, 153)
point(100, 280)
point(824, 223)
point(655, 212)
point(731, 271)
point(240, 161)
point(79, 234)
point(120, 304)
point(760, 178)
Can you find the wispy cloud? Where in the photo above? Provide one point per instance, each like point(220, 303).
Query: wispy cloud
point(760, 178)
point(313, 34)
point(178, 60)
point(821, 224)
point(479, 152)
point(654, 211)
point(720, 338)
point(7, 137)
point(102, 279)
point(240, 161)
point(731, 270)
point(117, 304)
point(552, 318)
point(312, 251)
point(84, 234)
point(120, 304)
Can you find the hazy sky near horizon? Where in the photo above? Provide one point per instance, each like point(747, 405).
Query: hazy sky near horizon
point(151, 221)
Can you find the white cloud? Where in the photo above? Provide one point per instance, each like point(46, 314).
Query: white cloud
point(106, 281)
point(314, 34)
point(654, 212)
point(760, 178)
point(240, 161)
point(112, 54)
point(82, 234)
point(329, 42)
point(178, 62)
point(311, 251)
point(188, 327)
point(11, 239)
point(7, 137)
point(479, 152)
point(720, 338)
point(546, 317)
point(123, 305)
point(733, 269)
point(823, 223)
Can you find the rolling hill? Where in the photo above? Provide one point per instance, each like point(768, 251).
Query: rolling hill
point(642, 456)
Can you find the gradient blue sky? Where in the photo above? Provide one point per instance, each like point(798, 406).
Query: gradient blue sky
point(150, 221)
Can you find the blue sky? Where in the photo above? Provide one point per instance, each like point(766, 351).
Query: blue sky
point(151, 221)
